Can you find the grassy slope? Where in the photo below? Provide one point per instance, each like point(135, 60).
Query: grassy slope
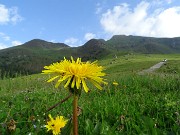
point(138, 105)
point(144, 44)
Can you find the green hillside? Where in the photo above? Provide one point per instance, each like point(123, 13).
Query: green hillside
point(30, 57)
point(93, 49)
point(144, 44)
point(33, 55)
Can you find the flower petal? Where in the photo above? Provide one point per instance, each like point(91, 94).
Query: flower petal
point(78, 82)
point(67, 83)
point(96, 84)
point(50, 80)
point(73, 82)
point(85, 86)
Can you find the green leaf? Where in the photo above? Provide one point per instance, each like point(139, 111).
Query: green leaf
point(97, 129)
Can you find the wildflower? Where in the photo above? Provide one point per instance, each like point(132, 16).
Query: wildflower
point(76, 73)
point(115, 83)
point(56, 124)
point(34, 126)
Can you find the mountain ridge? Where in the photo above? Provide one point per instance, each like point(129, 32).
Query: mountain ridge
point(33, 55)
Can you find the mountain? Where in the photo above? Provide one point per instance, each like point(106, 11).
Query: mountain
point(144, 44)
point(32, 56)
point(93, 49)
point(42, 44)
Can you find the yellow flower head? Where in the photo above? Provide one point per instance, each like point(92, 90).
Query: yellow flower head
point(56, 124)
point(75, 73)
point(115, 83)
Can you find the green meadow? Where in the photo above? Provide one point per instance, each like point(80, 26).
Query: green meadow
point(146, 104)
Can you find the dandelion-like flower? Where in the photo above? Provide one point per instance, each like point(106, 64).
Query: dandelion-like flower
point(76, 73)
point(56, 124)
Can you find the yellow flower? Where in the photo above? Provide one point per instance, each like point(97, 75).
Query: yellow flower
point(56, 124)
point(115, 83)
point(76, 73)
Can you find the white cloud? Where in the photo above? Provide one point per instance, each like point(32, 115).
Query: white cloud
point(98, 8)
point(15, 17)
point(74, 42)
point(9, 15)
point(53, 41)
point(139, 21)
point(71, 40)
point(89, 36)
point(5, 41)
point(169, 1)
point(161, 2)
point(2, 46)
point(4, 15)
point(15, 43)
point(4, 36)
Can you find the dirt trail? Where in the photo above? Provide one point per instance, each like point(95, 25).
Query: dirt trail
point(152, 69)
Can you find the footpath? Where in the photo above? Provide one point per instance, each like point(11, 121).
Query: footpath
point(153, 68)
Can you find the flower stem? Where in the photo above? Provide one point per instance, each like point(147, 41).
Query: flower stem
point(60, 102)
point(75, 118)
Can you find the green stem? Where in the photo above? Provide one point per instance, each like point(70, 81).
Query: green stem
point(75, 118)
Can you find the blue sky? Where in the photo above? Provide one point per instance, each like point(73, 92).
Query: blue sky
point(74, 22)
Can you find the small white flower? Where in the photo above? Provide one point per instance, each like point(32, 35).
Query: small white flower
point(34, 126)
point(43, 126)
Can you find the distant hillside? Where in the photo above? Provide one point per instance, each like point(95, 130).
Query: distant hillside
point(144, 44)
point(30, 57)
point(33, 55)
point(93, 49)
point(41, 44)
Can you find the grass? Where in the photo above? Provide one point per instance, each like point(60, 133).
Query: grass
point(171, 67)
point(140, 104)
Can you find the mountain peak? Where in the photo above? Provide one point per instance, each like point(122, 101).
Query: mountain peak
point(39, 43)
point(94, 43)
